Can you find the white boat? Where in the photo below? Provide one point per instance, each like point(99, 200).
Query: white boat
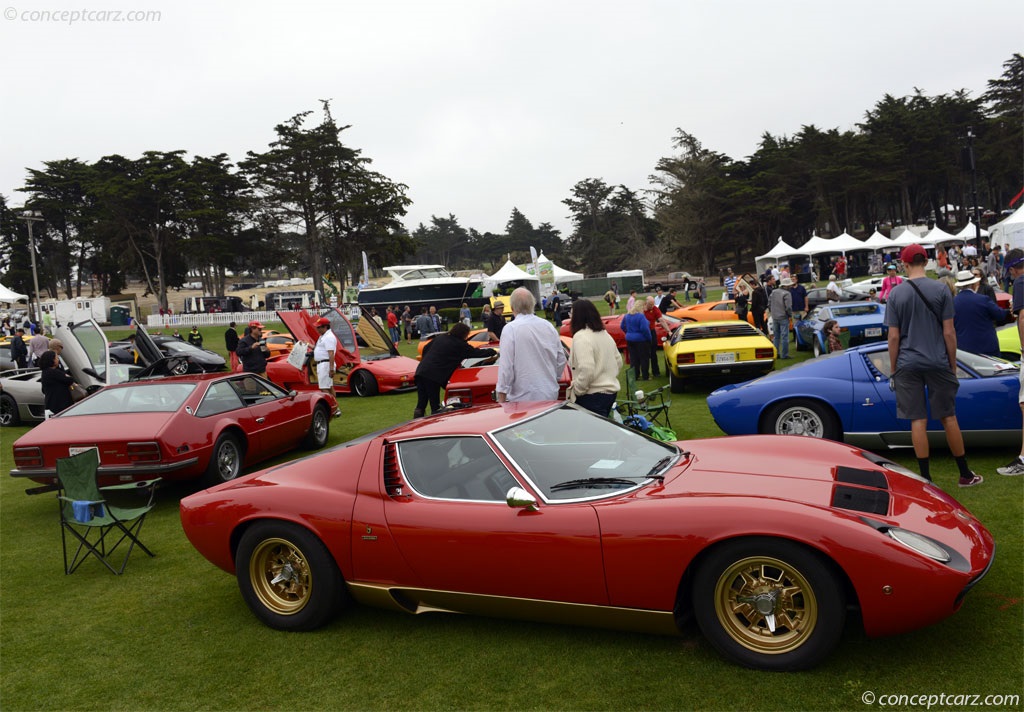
point(422, 286)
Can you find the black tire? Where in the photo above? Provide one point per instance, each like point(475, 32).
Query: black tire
point(745, 587)
point(8, 411)
point(226, 460)
point(801, 416)
point(287, 577)
point(319, 428)
point(364, 384)
point(675, 383)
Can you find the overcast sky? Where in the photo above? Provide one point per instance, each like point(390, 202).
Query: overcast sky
point(477, 105)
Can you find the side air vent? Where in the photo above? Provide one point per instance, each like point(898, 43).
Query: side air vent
point(393, 483)
point(864, 478)
point(857, 499)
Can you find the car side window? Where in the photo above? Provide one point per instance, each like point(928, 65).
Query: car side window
point(461, 468)
point(253, 390)
point(220, 398)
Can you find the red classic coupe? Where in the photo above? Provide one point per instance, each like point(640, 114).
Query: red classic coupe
point(474, 382)
point(544, 511)
point(612, 324)
point(181, 427)
point(367, 362)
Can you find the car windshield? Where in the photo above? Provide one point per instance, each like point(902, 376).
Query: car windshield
point(983, 366)
point(571, 454)
point(141, 398)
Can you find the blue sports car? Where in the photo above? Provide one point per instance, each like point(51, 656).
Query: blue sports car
point(845, 396)
point(859, 323)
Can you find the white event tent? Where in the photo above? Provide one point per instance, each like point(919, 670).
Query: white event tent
point(1009, 231)
point(878, 241)
point(907, 237)
point(936, 236)
point(969, 233)
point(560, 275)
point(9, 295)
point(513, 276)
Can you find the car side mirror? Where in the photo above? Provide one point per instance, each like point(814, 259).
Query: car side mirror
point(292, 393)
point(517, 497)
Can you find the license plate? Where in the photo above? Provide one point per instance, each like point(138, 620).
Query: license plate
point(725, 358)
point(874, 331)
point(79, 450)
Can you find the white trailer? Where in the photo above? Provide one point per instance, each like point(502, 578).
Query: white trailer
point(72, 311)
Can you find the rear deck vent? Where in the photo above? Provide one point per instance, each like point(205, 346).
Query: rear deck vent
point(856, 499)
point(864, 478)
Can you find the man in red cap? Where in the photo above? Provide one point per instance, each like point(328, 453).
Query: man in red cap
point(922, 351)
point(323, 357)
point(251, 351)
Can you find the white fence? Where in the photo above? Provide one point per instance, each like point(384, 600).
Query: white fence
point(241, 319)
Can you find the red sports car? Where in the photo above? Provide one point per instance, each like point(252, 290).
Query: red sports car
point(612, 325)
point(181, 427)
point(367, 362)
point(475, 381)
point(544, 511)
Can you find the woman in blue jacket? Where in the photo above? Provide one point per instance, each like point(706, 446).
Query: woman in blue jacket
point(638, 340)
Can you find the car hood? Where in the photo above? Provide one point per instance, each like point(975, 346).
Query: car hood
point(301, 325)
point(858, 483)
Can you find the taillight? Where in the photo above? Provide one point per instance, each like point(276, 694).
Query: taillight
point(28, 457)
point(143, 452)
point(685, 358)
point(764, 353)
point(459, 396)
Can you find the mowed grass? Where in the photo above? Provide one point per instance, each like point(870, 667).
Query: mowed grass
point(172, 633)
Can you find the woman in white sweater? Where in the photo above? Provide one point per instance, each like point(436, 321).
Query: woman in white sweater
point(594, 360)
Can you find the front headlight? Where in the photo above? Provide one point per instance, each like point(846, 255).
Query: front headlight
point(920, 544)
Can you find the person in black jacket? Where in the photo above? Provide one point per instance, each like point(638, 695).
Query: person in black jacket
point(230, 344)
point(19, 350)
point(56, 383)
point(440, 359)
point(252, 352)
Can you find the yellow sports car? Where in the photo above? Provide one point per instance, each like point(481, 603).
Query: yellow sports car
point(715, 349)
point(1009, 342)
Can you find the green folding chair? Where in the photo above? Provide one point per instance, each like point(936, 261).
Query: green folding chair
point(653, 407)
point(89, 518)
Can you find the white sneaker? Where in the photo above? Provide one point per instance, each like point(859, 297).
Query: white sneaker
point(1013, 468)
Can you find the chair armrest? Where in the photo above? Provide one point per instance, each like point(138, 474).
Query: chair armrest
point(87, 501)
point(142, 484)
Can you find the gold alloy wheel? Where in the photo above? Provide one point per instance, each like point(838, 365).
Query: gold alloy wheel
point(281, 576)
point(766, 605)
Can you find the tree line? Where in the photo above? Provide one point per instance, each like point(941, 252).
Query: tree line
point(311, 204)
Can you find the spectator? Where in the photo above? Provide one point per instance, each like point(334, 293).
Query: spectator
point(834, 291)
point(195, 338)
point(612, 299)
point(832, 332)
point(638, 341)
point(594, 359)
point(324, 358)
point(890, 281)
point(466, 315)
point(799, 294)
point(654, 318)
point(407, 323)
point(230, 344)
point(1014, 265)
point(424, 324)
point(435, 319)
point(532, 357)
point(631, 301)
point(177, 335)
point(975, 317)
point(730, 284)
point(252, 352)
point(37, 346)
point(393, 331)
point(441, 357)
point(702, 291)
point(56, 383)
point(741, 302)
point(780, 305)
point(495, 322)
point(758, 307)
point(19, 350)
point(922, 351)
point(668, 302)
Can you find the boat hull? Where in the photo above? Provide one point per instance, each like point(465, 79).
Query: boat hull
point(441, 295)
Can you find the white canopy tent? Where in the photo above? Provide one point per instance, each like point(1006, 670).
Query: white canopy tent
point(816, 246)
point(907, 237)
point(511, 275)
point(10, 296)
point(1009, 231)
point(878, 241)
point(560, 275)
point(846, 243)
point(969, 232)
point(781, 250)
point(936, 236)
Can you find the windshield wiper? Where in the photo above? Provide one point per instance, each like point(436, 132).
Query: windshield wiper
point(593, 482)
point(653, 472)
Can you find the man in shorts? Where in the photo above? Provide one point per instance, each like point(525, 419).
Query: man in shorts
point(922, 351)
point(1014, 264)
point(323, 356)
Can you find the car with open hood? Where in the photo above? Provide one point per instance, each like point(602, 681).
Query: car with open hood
point(85, 356)
point(367, 362)
point(547, 512)
point(160, 354)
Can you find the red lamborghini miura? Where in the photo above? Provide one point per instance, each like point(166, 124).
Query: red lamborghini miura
point(543, 511)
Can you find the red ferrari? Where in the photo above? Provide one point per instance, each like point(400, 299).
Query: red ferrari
point(367, 362)
point(613, 327)
point(473, 383)
point(544, 511)
point(181, 427)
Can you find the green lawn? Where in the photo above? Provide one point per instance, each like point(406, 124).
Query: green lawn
point(174, 634)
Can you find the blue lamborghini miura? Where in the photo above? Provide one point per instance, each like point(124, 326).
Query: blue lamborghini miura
point(845, 396)
point(859, 323)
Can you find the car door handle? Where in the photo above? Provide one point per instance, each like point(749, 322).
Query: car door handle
point(260, 420)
